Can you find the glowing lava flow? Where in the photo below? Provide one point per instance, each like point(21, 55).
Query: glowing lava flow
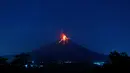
point(64, 38)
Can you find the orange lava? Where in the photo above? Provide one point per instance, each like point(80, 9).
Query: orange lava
point(63, 39)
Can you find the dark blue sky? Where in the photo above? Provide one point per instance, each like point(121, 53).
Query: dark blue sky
point(100, 25)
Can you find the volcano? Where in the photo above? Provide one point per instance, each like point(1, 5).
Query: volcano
point(64, 50)
point(70, 51)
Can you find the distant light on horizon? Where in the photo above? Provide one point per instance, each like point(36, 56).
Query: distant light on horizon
point(26, 66)
point(99, 63)
point(32, 61)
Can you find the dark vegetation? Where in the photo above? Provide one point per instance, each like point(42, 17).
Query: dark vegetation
point(119, 62)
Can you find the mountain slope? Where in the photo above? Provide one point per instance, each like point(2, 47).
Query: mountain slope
point(70, 51)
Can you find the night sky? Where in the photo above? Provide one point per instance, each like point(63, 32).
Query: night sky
point(99, 25)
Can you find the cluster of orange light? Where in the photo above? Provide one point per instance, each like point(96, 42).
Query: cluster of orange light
point(64, 38)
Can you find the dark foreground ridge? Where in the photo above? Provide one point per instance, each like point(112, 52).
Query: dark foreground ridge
point(119, 62)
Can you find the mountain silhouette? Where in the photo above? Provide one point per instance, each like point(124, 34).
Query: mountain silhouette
point(69, 51)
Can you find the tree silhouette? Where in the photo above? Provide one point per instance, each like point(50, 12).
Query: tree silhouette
point(20, 60)
point(118, 62)
point(114, 57)
point(3, 62)
point(119, 58)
